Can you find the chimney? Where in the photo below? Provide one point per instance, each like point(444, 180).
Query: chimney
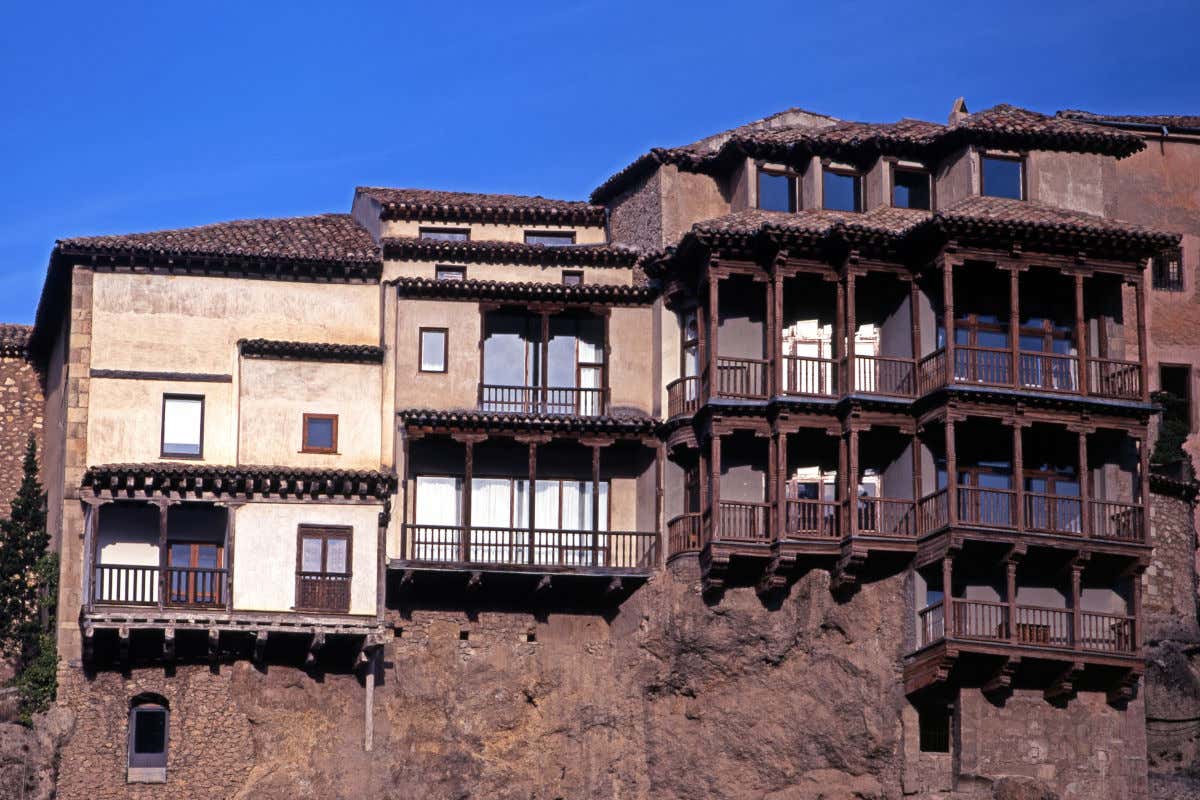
point(958, 111)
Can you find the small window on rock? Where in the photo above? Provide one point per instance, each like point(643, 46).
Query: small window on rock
point(320, 433)
point(148, 738)
point(1166, 270)
point(935, 729)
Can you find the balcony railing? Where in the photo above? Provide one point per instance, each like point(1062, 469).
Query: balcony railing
point(813, 519)
point(559, 549)
point(1051, 372)
point(885, 516)
point(1034, 371)
point(186, 587)
point(809, 376)
point(683, 396)
point(684, 534)
point(1048, 513)
point(933, 511)
point(1121, 380)
point(744, 378)
point(992, 508)
point(885, 375)
point(1035, 626)
point(743, 522)
point(1121, 521)
point(323, 591)
point(560, 400)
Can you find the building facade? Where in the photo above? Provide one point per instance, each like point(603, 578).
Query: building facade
point(815, 453)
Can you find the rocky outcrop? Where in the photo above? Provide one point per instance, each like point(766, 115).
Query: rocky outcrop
point(29, 757)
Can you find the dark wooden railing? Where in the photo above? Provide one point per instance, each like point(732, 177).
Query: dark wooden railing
point(933, 511)
point(196, 586)
point(1052, 372)
point(683, 396)
point(1037, 626)
point(1049, 513)
point(455, 544)
point(742, 377)
point(683, 534)
point(885, 516)
point(323, 591)
point(931, 372)
point(994, 508)
point(1117, 379)
point(819, 519)
point(884, 375)
point(810, 376)
point(1122, 521)
point(125, 584)
point(564, 400)
point(743, 521)
point(985, 365)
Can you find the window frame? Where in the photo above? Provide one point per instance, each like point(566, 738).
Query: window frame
point(513, 510)
point(1020, 160)
point(305, 447)
point(567, 234)
point(325, 533)
point(572, 273)
point(162, 433)
point(857, 175)
point(898, 168)
point(427, 229)
point(793, 178)
point(147, 767)
point(439, 269)
point(445, 332)
point(1160, 277)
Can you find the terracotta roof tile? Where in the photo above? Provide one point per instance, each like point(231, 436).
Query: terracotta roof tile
point(328, 238)
point(1018, 219)
point(429, 204)
point(484, 251)
point(607, 294)
point(1019, 128)
point(311, 351)
point(14, 339)
point(172, 478)
point(814, 222)
point(1164, 120)
point(464, 419)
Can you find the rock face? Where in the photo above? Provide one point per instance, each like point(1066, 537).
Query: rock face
point(29, 757)
point(20, 409)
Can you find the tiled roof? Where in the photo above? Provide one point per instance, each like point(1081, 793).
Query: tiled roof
point(817, 222)
point(176, 479)
point(1162, 120)
point(428, 204)
point(325, 238)
point(482, 251)
point(14, 339)
point(1003, 126)
point(311, 351)
point(468, 419)
point(606, 294)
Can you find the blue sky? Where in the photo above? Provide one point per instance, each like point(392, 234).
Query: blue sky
point(124, 117)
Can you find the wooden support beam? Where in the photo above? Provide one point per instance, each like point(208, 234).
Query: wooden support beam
point(89, 643)
point(543, 584)
point(169, 644)
point(314, 648)
point(123, 643)
point(369, 700)
point(474, 580)
point(615, 586)
point(1062, 686)
point(1000, 682)
point(214, 644)
point(1124, 688)
point(260, 647)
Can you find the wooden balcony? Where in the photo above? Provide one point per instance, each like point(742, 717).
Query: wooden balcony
point(684, 534)
point(323, 591)
point(1054, 373)
point(883, 375)
point(180, 587)
point(887, 517)
point(813, 519)
point(742, 378)
point(743, 522)
point(555, 400)
point(1036, 627)
point(464, 548)
point(809, 376)
point(683, 396)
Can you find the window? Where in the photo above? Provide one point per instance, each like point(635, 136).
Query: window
point(776, 190)
point(444, 273)
point(320, 433)
point(934, 725)
point(148, 737)
point(1166, 270)
point(549, 365)
point(433, 349)
point(1174, 395)
point(572, 278)
point(911, 188)
point(551, 238)
point(1003, 177)
point(323, 569)
point(446, 234)
point(690, 349)
point(842, 190)
point(182, 426)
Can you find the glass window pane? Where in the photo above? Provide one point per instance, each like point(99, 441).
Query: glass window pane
point(179, 555)
point(319, 433)
point(310, 554)
point(206, 556)
point(910, 189)
point(550, 239)
point(842, 192)
point(451, 273)
point(776, 192)
point(182, 426)
point(433, 351)
point(445, 235)
point(1002, 178)
point(560, 367)
point(149, 730)
point(335, 556)
point(504, 350)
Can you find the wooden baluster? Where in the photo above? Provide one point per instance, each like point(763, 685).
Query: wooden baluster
point(1076, 618)
point(947, 592)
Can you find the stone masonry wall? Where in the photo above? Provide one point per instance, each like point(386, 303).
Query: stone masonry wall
point(672, 697)
point(20, 409)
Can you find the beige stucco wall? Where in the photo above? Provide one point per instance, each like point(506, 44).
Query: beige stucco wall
point(956, 178)
point(631, 359)
point(191, 324)
point(457, 387)
point(125, 420)
point(492, 232)
point(1074, 181)
point(264, 559)
point(524, 273)
point(275, 396)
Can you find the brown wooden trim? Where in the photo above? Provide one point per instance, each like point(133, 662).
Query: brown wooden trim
point(421, 349)
point(163, 427)
point(305, 447)
point(182, 377)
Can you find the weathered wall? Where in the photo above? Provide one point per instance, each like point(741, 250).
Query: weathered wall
point(21, 410)
point(584, 234)
point(514, 273)
point(635, 218)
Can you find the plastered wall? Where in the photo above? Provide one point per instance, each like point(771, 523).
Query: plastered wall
point(492, 232)
point(516, 273)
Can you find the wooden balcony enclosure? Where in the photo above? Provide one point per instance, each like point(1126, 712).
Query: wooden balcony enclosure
point(552, 400)
point(1032, 626)
point(533, 550)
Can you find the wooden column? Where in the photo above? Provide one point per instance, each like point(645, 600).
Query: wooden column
point(1144, 468)
point(781, 469)
point(1019, 476)
point(162, 553)
point(839, 340)
point(1136, 591)
point(1081, 334)
point(532, 498)
point(372, 667)
point(545, 378)
point(715, 486)
point(843, 482)
point(464, 539)
point(948, 316)
point(769, 489)
point(852, 480)
point(1143, 350)
point(714, 289)
point(405, 477)
point(595, 505)
point(230, 545)
point(1085, 492)
point(1010, 573)
point(914, 317)
point(91, 522)
point(948, 595)
point(773, 337)
point(777, 336)
point(1014, 324)
point(951, 474)
point(916, 472)
point(1076, 617)
point(851, 330)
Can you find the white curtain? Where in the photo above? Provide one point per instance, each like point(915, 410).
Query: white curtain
point(491, 520)
point(438, 507)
